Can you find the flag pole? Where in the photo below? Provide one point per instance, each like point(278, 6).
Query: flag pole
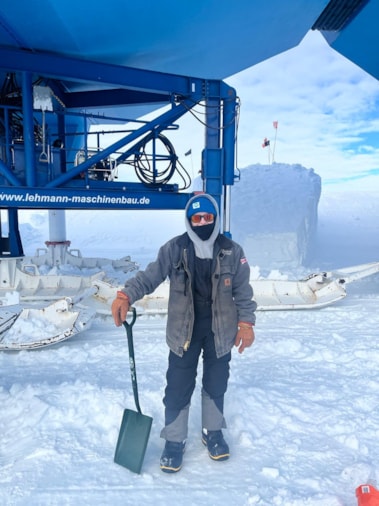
point(275, 125)
point(189, 153)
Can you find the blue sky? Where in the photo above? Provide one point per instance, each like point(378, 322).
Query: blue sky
point(327, 113)
point(326, 107)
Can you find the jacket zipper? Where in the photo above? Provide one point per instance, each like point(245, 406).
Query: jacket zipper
point(186, 270)
point(215, 281)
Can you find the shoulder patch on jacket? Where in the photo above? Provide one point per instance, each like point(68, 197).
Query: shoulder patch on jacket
point(243, 260)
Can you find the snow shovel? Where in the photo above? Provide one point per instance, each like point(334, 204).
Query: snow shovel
point(135, 427)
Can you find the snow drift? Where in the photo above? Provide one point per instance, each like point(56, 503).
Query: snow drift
point(274, 214)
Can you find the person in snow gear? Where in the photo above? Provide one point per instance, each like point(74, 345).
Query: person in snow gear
point(210, 310)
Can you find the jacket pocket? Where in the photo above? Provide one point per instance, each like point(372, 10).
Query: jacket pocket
point(178, 280)
point(226, 278)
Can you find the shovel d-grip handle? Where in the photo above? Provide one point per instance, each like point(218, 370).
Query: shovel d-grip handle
point(133, 373)
point(133, 318)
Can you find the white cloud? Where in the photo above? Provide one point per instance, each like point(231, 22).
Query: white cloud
point(325, 106)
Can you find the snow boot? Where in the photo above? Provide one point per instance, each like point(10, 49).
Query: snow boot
point(172, 457)
point(218, 448)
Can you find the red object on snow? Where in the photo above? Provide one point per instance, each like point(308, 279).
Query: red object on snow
point(367, 495)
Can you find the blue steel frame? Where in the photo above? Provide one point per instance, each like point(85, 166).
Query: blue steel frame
point(96, 86)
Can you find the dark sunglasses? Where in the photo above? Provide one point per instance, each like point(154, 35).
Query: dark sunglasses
point(208, 218)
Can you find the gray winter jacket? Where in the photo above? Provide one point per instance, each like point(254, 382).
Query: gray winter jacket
point(232, 294)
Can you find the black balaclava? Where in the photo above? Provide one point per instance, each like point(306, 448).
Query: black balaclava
point(205, 231)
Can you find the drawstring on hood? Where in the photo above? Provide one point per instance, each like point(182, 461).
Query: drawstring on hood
point(205, 235)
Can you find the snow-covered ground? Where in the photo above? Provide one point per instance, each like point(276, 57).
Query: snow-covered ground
point(302, 406)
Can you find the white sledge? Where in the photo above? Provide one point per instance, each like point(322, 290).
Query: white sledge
point(90, 296)
point(54, 322)
point(21, 278)
point(315, 291)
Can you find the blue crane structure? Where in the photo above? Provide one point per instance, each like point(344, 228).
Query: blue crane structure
point(66, 65)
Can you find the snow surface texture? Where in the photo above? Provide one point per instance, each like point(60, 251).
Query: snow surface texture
point(302, 406)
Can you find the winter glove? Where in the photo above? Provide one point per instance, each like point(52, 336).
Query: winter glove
point(245, 336)
point(120, 308)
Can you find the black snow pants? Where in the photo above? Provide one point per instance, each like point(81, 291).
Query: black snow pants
point(181, 380)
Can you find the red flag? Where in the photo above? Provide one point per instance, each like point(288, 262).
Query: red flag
point(275, 124)
point(266, 142)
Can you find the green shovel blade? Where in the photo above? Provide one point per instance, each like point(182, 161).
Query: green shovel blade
point(132, 440)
